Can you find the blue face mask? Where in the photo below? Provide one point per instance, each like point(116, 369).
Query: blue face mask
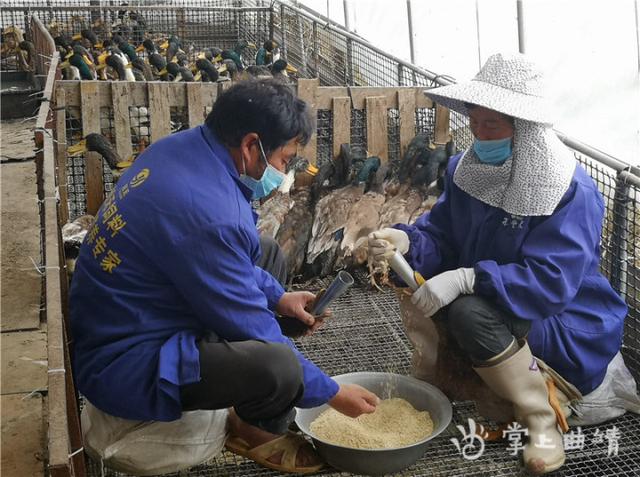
point(270, 180)
point(493, 152)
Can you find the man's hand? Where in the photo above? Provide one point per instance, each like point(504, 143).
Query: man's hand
point(295, 304)
point(384, 242)
point(353, 400)
point(442, 289)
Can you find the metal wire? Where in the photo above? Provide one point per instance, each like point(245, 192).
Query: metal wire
point(366, 334)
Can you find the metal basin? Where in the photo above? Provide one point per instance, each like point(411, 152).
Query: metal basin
point(423, 396)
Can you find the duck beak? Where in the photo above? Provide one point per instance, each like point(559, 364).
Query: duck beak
point(291, 69)
point(174, 59)
point(198, 76)
point(98, 45)
point(64, 64)
point(77, 37)
point(177, 78)
point(140, 48)
point(165, 45)
point(201, 56)
point(87, 60)
point(124, 164)
point(77, 149)
point(162, 72)
point(252, 45)
point(218, 59)
point(69, 55)
point(222, 69)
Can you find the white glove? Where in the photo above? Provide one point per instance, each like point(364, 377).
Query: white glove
point(442, 289)
point(384, 242)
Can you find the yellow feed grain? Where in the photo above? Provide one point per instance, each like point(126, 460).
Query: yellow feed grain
point(395, 423)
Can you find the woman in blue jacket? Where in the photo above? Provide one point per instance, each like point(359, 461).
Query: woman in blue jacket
point(511, 250)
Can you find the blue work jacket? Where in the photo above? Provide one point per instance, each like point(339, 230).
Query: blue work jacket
point(543, 269)
point(170, 258)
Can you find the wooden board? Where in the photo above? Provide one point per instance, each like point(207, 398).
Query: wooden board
point(407, 118)
point(58, 433)
point(441, 133)
point(195, 104)
point(120, 93)
point(377, 140)
point(307, 91)
point(159, 112)
point(93, 161)
point(358, 94)
point(60, 155)
point(341, 123)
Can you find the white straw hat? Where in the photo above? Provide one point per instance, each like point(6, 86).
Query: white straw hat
point(540, 169)
point(508, 83)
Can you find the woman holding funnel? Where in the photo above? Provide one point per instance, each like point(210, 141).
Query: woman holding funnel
point(511, 256)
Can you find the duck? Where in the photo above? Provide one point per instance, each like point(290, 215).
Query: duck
point(274, 208)
point(207, 71)
point(80, 61)
point(330, 216)
point(295, 230)
point(364, 215)
point(264, 55)
point(99, 143)
point(122, 70)
point(139, 65)
point(126, 48)
point(236, 53)
point(281, 68)
point(157, 61)
point(73, 234)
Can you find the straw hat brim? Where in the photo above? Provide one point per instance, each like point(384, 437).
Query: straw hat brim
point(506, 101)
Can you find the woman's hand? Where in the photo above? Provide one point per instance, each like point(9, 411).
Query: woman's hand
point(295, 305)
point(353, 400)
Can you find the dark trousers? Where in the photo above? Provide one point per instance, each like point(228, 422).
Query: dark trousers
point(261, 381)
point(481, 328)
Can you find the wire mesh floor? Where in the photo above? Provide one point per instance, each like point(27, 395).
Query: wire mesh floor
point(366, 334)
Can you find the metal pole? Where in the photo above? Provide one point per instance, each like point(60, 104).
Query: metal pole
point(283, 26)
point(478, 34)
point(347, 21)
point(410, 22)
point(635, 3)
point(521, 32)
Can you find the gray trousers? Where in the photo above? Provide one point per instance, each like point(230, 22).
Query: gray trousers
point(261, 381)
point(481, 328)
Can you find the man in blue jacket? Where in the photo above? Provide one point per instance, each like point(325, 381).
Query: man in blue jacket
point(169, 312)
point(511, 250)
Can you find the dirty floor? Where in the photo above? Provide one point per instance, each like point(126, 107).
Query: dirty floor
point(23, 341)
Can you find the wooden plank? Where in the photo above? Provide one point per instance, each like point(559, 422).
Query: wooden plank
point(137, 94)
point(209, 94)
point(159, 112)
point(407, 118)
point(195, 104)
point(441, 133)
point(61, 155)
point(93, 163)
point(120, 92)
point(341, 123)
point(377, 125)
point(307, 89)
point(58, 432)
point(358, 94)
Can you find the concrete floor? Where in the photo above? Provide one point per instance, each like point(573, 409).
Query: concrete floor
point(23, 340)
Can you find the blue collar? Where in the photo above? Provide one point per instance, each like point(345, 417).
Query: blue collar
point(220, 151)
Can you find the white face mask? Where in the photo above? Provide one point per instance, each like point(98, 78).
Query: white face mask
point(270, 180)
